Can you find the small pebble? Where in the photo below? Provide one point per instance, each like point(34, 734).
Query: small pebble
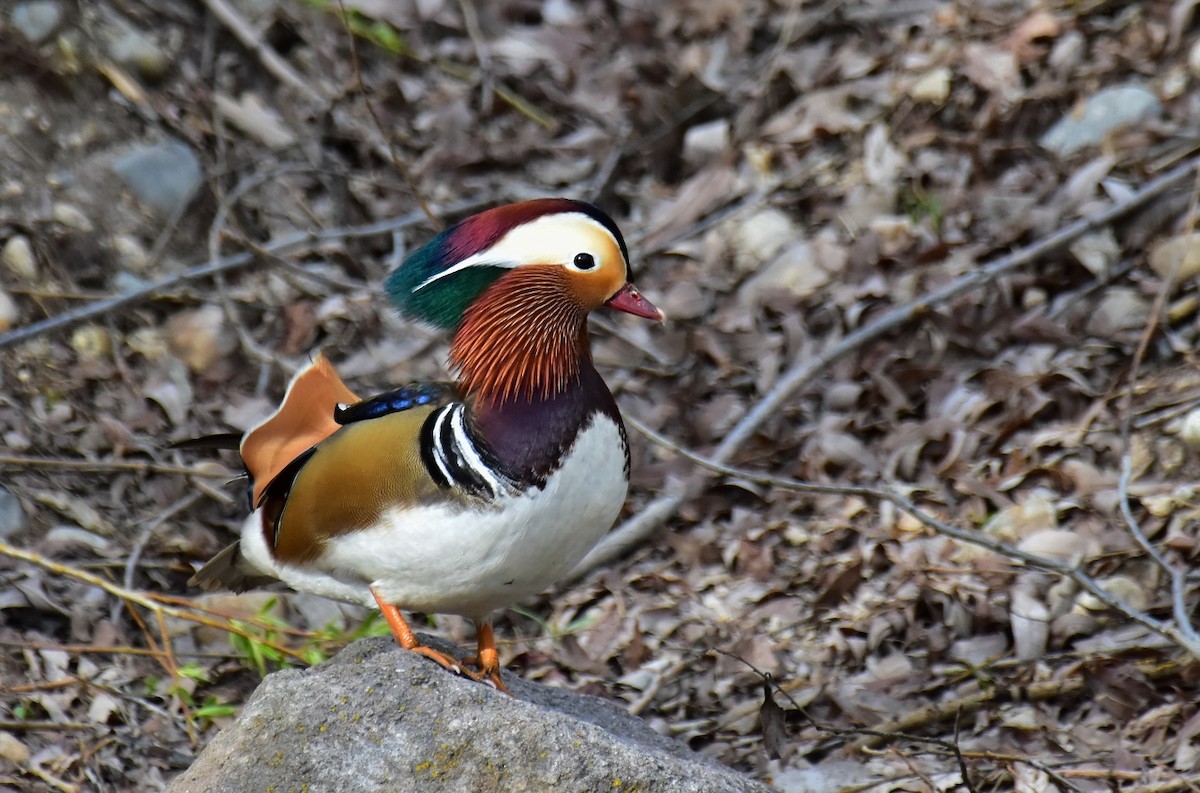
point(200, 337)
point(16, 441)
point(72, 217)
point(12, 514)
point(760, 237)
point(1189, 432)
point(12, 750)
point(933, 86)
point(1177, 258)
point(1120, 309)
point(131, 254)
point(91, 342)
point(133, 49)
point(18, 257)
point(1173, 83)
point(163, 176)
point(1106, 111)
point(37, 20)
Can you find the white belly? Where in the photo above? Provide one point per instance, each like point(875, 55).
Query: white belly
point(440, 559)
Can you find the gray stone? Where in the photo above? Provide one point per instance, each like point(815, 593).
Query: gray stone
point(37, 20)
point(12, 514)
point(1106, 111)
point(378, 718)
point(164, 176)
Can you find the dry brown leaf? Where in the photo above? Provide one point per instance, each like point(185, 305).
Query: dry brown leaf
point(1030, 622)
point(993, 69)
point(1177, 258)
point(252, 116)
point(1041, 24)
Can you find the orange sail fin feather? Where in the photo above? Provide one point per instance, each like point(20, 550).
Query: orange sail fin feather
point(304, 419)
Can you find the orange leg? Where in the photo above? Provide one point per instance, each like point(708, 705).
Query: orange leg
point(488, 660)
point(408, 640)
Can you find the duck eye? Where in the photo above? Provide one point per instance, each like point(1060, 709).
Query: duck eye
point(585, 261)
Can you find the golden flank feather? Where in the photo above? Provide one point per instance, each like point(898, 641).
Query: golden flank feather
point(304, 419)
point(348, 483)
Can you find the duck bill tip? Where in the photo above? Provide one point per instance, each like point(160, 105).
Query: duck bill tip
point(629, 300)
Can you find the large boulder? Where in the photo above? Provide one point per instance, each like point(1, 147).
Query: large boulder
point(378, 718)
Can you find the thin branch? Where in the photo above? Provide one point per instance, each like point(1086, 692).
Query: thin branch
point(32, 726)
point(289, 244)
point(654, 514)
point(271, 60)
point(134, 598)
point(475, 34)
point(17, 461)
point(135, 555)
point(950, 746)
point(216, 231)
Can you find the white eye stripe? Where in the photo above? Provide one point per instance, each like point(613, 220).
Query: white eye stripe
point(549, 239)
point(485, 258)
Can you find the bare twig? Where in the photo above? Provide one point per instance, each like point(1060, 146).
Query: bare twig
point(134, 466)
point(216, 231)
point(949, 746)
point(475, 34)
point(603, 178)
point(34, 726)
point(289, 244)
point(637, 528)
point(144, 600)
point(135, 555)
point(271, 61)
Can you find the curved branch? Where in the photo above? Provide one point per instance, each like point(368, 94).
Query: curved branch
point(297, 242)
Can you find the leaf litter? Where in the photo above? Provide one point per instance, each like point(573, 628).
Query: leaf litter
point(786, 173)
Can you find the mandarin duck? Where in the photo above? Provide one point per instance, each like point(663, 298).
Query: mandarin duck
point(464, 497)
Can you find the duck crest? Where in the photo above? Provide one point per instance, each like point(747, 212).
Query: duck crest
point(420, 288)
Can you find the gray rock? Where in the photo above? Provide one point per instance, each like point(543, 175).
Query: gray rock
point(12, 514)
point(37, 20)
point(378, 718)
point(164, 176)
point(1106, 111)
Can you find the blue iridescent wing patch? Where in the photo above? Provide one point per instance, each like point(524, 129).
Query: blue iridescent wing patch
point(396, 401)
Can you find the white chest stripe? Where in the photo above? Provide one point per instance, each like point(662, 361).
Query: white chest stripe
point(466, 448)
point(455, 460)
point(439, 453)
